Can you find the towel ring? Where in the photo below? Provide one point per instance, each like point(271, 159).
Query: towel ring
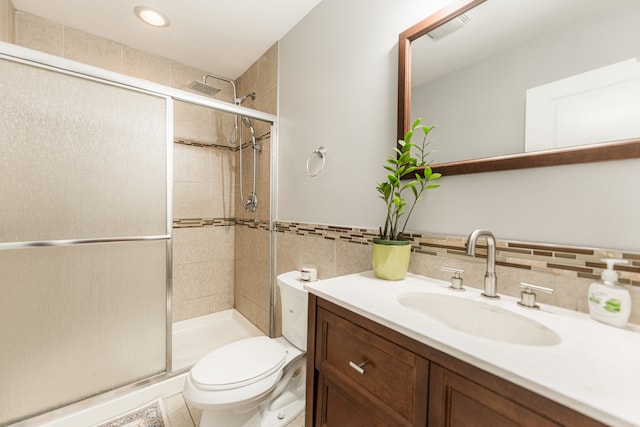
point(315, 162)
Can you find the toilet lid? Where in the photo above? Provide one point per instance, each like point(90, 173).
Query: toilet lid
point(238, 364)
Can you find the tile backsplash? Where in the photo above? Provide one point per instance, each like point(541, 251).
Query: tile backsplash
point(568, 270)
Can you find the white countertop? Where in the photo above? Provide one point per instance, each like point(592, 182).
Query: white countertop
point(594, 370)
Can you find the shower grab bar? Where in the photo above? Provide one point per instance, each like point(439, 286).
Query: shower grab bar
point(71, 242)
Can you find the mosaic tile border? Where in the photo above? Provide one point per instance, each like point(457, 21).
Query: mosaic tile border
point(258, 224)
point(223, 147)
point(220, 222)
point(201, 222)
point(572, 261)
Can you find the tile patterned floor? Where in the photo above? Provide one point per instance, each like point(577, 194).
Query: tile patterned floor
point(182, 415)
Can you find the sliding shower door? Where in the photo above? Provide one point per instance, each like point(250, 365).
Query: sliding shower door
point(84, 237)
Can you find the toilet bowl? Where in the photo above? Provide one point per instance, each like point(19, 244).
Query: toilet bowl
point(258, 381)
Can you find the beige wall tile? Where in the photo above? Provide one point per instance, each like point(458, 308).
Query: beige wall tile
point(262, 320)
point(182, 75)
point(247, 83)
point(7, 21)
point(191, 163)
point(191, 281)
point(191, 200)
point(190, 245)
point(352, 258)
point(268, 69)
point(203, 268)
point(93, 50)
point(39, 34)
point(222, 181)
point(635, 302)
point(191, 122)
point(582, 295)
point(4, 20)
point(246, 307)
point(223, 299)
point(223, 128)
point(221, 255)
point(146, 66)
point(564, 288)
point(252, 265)
point(189, 309)
point(267, 101)
point(11, 23)
point(293, 251)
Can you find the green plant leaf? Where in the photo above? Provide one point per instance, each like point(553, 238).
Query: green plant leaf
point(408, 158)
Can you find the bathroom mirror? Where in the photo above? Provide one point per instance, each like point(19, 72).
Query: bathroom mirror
point(504, 80)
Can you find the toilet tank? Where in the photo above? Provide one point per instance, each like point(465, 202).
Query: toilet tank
point(294, 308)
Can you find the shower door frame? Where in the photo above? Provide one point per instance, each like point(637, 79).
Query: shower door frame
point(54, 63)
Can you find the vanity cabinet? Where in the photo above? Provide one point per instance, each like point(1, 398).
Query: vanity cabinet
point(361, 373)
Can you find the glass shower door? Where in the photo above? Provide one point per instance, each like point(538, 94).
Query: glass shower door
point(85, 237)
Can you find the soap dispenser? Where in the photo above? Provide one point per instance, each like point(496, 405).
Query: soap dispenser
point(609, 301)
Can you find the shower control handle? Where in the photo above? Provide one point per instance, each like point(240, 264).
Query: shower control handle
point(359, 368)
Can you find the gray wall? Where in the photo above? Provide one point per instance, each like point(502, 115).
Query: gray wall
point(338, 73)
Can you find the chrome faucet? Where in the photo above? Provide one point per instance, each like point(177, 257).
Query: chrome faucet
point(490, 285)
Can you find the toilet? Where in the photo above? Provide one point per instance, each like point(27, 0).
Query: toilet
point(258, 381)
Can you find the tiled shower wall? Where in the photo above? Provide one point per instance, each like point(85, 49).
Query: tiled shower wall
point(252, 236)
point(205, 181)
point(7, 21)
point(568, 270)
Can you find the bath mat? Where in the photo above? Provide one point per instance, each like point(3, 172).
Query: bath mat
point(150, 415)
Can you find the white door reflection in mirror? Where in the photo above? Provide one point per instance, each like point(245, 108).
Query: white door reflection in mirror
point(587, 108)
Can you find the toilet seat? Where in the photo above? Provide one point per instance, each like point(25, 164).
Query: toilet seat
point(239, 364)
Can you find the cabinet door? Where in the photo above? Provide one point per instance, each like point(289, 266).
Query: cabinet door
point(339, 407)
point(456, 401)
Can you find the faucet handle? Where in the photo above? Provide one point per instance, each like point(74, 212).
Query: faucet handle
point(456, 279)
point(528, 298)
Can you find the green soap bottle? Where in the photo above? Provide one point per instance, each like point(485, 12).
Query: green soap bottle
point(609, 301)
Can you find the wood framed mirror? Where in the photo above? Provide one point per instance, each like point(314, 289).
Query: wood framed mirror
point(571, 128)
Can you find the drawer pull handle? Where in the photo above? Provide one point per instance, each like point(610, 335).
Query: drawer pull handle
point(358, 367)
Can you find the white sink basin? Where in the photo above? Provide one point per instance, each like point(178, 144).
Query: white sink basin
point(479, 319)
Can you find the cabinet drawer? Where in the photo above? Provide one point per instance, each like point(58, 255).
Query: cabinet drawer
point(374, 366)
point(341, 408)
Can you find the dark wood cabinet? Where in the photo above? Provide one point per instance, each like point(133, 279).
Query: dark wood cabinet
point(361, 373)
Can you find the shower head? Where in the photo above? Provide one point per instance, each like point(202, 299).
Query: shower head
point(247, 122)
point(202, 87)
point(251, 95)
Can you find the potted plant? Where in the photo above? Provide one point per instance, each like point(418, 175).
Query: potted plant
point(391, 252)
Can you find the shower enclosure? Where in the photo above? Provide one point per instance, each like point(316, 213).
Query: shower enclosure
point(85, 230)
point(85, 237)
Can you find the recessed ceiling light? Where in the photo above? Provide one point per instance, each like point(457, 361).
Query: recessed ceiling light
point(151, 16)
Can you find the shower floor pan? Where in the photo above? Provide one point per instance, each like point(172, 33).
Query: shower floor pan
point(192, 339)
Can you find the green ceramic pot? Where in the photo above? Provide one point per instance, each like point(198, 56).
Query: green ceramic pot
point(391, 258)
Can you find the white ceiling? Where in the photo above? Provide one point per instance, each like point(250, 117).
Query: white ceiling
point(219, 36)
